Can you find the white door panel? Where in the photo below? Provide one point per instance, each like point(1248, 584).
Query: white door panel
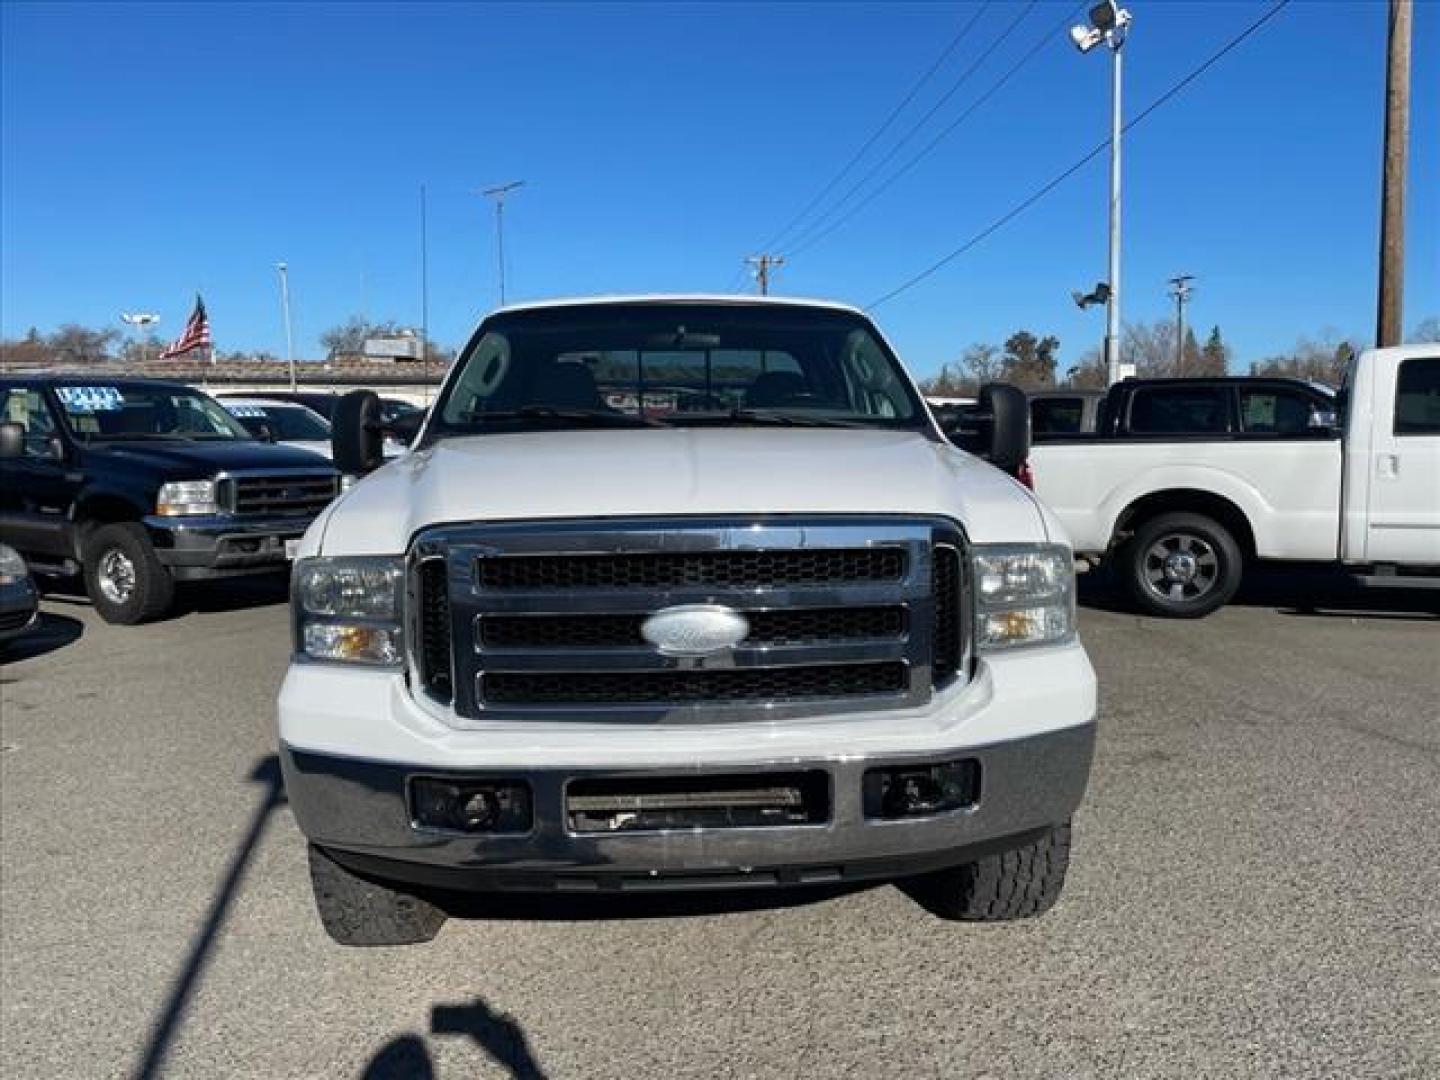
point(1404, 468)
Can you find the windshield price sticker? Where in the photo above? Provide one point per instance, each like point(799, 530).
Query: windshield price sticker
point(246, 412)
point(90, 399)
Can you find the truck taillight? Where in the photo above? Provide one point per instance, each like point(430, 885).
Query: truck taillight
point(1026, 476)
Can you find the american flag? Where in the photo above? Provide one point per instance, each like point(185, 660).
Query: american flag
point(196, 334)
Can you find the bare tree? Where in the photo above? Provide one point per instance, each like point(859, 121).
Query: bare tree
point(1426, 331)
point(76, 344)
point(1322, 360)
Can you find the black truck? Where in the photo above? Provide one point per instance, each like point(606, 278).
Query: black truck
point(141, 484)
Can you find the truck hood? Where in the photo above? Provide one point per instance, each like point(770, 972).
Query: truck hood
point(662, 472)
point(195, 460)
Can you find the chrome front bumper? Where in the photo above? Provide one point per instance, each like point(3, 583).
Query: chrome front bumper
point(358, 811)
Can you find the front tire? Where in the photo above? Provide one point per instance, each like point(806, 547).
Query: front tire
point(1181, 566)
point(125, 580)
point(1019, 883)
point(357, 911)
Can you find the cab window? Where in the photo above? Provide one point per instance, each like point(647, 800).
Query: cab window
point(1417, 396)
point(1277, 411)
point(28, 409)
point(1180, 410)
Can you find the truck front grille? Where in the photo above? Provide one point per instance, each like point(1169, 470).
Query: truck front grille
point(793, 627)
point(543, 620)
point(669, 570)
point(280, 495)
point(691, 687)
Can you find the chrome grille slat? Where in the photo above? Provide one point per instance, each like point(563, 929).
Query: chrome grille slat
point(302, 492)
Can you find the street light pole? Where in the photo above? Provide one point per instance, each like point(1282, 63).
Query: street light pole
point(1112, 307)
point(1180, 290)
point(498, 193)
point(284, 273)
point(1109, 24)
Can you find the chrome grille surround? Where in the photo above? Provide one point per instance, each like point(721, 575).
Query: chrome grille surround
point(466, 548)
point(276, 492)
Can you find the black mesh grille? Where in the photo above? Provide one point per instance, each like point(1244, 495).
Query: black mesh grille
point(283, 494)
point(947, 614)
point(720, 569)
point(433, 653)
point(684, 687)
point(793, 627)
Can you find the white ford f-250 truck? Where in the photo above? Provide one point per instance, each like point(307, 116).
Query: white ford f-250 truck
point(681, 593)
point(1188, 480)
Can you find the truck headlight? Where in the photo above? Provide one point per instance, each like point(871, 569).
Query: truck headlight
point(12, 566)
point(182, 498)
point(1024, 595)
point(350, 609)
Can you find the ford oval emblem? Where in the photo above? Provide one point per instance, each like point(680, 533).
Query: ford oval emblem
point(695, 629)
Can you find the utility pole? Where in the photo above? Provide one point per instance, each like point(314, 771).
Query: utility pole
point(1391, 314)
point(1180, 289)
point(284, 272)
point(424, 290)
point(498, 193)
point(764, 264)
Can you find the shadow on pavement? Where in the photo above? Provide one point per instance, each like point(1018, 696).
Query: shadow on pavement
point(232, 594)
point(497, 1034)
point(1290, 590)
point(50, 632)
point(167, 1023)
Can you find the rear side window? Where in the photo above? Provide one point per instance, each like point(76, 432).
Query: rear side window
point(1180, 410)
point(1280, 412)
point(1057, 416)
point(1417, 397)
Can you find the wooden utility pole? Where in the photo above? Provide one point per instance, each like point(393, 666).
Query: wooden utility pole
point(763, 264)
point(1390, 322)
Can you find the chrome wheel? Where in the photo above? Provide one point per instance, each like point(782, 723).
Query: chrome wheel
point(1180, 567)
point(115, 574)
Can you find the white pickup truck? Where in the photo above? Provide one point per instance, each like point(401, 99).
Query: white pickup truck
point(681, 593)
point(1189, 480)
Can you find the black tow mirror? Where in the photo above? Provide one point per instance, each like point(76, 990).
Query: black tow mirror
point(996, 428)
point(357, 434)
point(12, 440)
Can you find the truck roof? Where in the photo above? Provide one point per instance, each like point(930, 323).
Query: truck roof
point(680, 298)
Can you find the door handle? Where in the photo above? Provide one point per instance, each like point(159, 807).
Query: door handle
point(1387, 466)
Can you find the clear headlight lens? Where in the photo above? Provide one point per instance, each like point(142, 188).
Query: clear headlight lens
point(1024, 595)
point(12, 566)
point(350, 609)
point(182, 498)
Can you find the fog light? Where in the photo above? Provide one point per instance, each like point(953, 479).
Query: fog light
point(472, 806)
point(920, 790)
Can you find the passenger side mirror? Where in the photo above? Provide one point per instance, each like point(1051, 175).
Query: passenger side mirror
point(12, 440)
point(357, 434)
point(997, 428)
point(403, 429)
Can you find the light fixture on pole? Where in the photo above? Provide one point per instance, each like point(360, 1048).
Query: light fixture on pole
point(498, 193)
point(1109, 25)
point(140, 321)
point(284, 272)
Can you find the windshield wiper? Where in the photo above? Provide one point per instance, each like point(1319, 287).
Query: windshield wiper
point(597, 417)
point(764, 416)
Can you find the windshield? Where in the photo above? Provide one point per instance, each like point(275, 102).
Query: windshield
point(286, 422)
point(102, 412)
point(677, 364)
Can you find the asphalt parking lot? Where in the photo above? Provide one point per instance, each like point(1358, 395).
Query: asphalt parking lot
point(1255, 891)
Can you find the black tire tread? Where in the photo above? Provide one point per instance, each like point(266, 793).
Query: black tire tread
point(1019, 883)
point(154, 586)
point(359, 912)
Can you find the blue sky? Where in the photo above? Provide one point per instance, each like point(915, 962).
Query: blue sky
point(152, 150)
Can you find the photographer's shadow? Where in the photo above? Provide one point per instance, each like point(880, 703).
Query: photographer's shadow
point(497, 1034)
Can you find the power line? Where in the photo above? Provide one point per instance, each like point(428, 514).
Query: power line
point(819, 222)
point(1056, 181)
point(885, 185)
point(879, 131)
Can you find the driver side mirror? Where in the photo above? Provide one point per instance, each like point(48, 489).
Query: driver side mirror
point(12, 441)
point(357, 434)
